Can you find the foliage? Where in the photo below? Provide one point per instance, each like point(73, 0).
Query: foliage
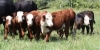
point(43, 4)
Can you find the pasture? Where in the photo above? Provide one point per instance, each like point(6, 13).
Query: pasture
point(81, 42)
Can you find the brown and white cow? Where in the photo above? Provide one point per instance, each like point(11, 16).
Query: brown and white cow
point(37, 22)
point(61, 20)
point(84, 19)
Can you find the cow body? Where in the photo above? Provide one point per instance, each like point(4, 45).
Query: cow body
point(25, 5)
point(72, 19)
point(61, 20)
point(84, 19)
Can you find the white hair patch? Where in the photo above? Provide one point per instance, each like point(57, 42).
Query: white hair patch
point(9, 19)
point(19, 15)
point(29, 18)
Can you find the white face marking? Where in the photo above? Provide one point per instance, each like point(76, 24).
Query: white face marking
point(44, 30)
point(48, 22)
point(19, 15)
point(29, 18)
point(48, 19)
point(9, 19)
point(86, 20)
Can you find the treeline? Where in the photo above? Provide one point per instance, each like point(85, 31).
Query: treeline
point(92, 4)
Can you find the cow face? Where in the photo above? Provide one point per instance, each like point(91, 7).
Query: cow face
point(48, 19)
point(19, 16)
point(8, 20)
point(29, 19)
point(86, 20)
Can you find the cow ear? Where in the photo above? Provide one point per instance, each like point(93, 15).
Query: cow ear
point(4, 18)
point(44, 17)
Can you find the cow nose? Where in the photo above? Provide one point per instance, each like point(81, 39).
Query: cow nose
point(51, 25)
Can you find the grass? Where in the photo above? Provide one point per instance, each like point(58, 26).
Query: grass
point(82, 42)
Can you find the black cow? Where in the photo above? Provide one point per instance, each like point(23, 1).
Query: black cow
point(25, 5)
point(84, 19)
point(6, 8)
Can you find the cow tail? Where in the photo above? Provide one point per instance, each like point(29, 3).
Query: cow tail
point(93, 18)
point(94, 21)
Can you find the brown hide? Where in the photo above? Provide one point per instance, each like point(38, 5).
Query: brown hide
point(59, 19)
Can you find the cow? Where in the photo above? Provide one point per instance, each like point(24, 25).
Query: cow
point(37, 22)
point(72, 19)
point(6, 8)
point(61, 20)
point(25, 5)
point(84, 19)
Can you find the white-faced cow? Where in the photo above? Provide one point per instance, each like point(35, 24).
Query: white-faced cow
point(61, 20)
point(84, 19)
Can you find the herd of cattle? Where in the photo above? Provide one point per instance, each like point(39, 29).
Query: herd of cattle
point(24, 15)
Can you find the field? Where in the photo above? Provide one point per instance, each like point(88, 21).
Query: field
point(82, 42)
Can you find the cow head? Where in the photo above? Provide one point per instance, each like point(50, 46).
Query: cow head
point(19, 16)
point(29, 19)
point(48, 19)
point(86, 20)
point(8, 20)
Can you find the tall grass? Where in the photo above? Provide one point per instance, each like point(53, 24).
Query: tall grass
point(81, 42)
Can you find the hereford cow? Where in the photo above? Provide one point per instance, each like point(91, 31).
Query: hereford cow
point(37, 22)
point(72, 19)
point(84, 19)
point(61, 20)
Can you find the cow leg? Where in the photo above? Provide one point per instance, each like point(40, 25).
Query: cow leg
point(47, 36)
point(37, 35)
point(87, 27)
point(42, 35)
point(6, 31)
point(71, 27)
point(21, 35)
point(83, 27)
point(30, 35)
point(13, 33)
point(74, 30)
point(91, 26)
point(61, 33)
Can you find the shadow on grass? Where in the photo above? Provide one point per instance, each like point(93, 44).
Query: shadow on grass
point(55, 39)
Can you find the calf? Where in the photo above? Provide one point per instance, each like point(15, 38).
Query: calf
point(84, 19)
point(61, 20)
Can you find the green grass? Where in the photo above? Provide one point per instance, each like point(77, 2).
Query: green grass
point(82, 42)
